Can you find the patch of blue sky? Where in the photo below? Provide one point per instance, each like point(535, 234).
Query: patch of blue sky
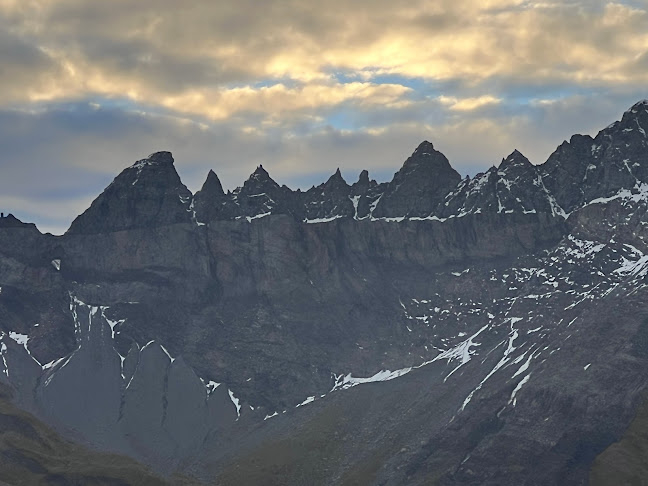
point(262, 83)
point(419, 85)
point(343, 119)
point(347, 116)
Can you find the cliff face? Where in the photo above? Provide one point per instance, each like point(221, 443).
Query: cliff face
point(499, 315)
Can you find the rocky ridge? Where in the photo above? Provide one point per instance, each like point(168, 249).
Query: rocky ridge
point(465, 290)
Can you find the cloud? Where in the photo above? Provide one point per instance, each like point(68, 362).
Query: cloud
point(211, 55)
point(468, 104)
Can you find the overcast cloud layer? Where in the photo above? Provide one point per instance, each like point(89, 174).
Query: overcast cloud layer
point(303, 87)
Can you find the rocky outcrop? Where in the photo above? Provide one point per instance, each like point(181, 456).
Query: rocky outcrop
point(364, 195)
point(420, 186)
point(209, 204)
point(328, 201)
point(587, 168)
point(147, 405)
point(516, 186)
point(147, 194)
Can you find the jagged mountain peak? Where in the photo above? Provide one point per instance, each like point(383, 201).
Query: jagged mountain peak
point(363, 178)
point(633, 123)
point(212, 184)
point(207, 203)
point(419, 186)
point(336, 180)
point(639, 106)
point(148, 193)
point(259, 180)
point(424, 148)
point(161, 158)
point(260, 173)
point(425, 158)
point(515, 159)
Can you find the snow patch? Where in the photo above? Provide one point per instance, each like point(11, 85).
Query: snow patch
point(513, 399)
point(323, 220)
point(236, 403)
point(306, 402)
point(270, 416)
point(348, 381)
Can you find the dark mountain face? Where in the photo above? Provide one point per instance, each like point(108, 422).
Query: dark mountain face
point(210, 202)
point(516, 186)
point(328, 201)
point(421, 185)
point(147, 194)
point(489, 330)
point(584, 168)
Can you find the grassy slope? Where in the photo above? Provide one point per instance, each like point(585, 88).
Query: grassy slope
point(33, 454)
point(625, 462)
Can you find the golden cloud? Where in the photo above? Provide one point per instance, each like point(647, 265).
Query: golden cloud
point(206, 58)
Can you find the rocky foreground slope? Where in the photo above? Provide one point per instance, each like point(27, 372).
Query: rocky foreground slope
point(429, 330)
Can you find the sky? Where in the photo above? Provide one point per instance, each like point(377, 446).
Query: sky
point(302, 87)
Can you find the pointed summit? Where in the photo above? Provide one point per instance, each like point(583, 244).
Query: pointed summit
point(515, 159)
point(212, 185)
point(328, 201)
point(258, 182)
point(424, 148)
point(419, 186)
point(261, 196)
point(426, 155)
point(208, 202)
point(147, 194)
point(639, 105)
point(336, 181)
point(260, 174)
point(156, 159)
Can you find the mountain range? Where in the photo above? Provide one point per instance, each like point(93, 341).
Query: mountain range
point(432, 329)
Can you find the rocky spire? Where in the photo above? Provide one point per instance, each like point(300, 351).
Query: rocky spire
point(209, 203)
point(363, 179)
point(213, 185)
